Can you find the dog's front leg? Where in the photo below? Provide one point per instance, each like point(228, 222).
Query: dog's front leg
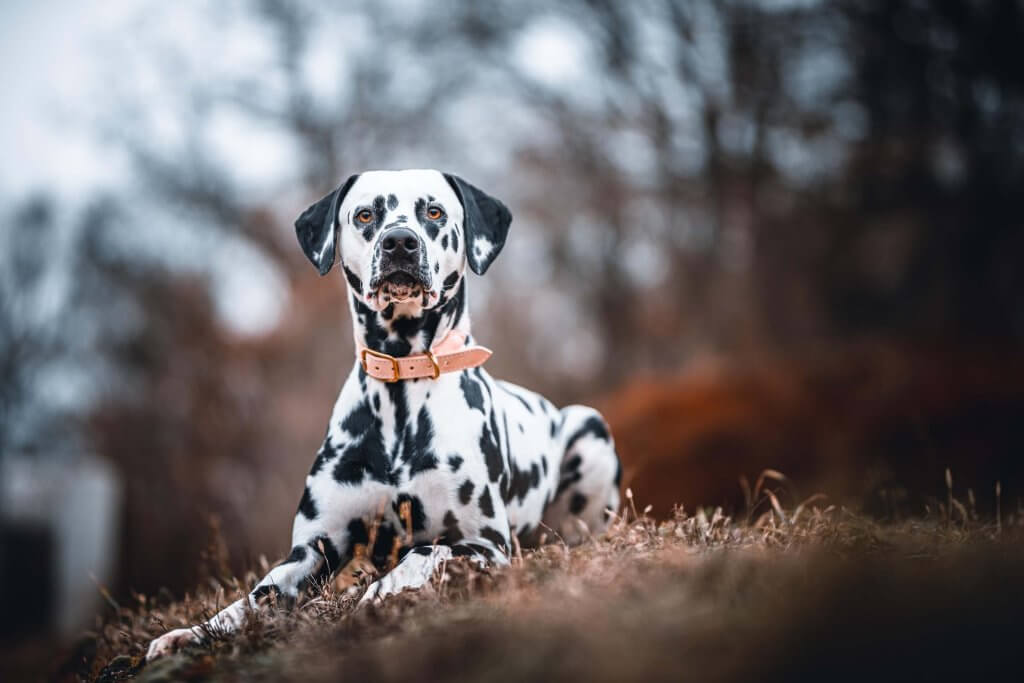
point(283, 583)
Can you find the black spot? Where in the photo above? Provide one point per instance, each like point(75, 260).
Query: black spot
point(437, 267)
point(421, 458)
point(455, 462)
point(521, 429)
point(523, 481)
point(450, 281)
point(307, 507)
point(323, 545)
point(554, 428)
point(365, 454)
point(353, 280)
point(379, 212)
point(366, 457)
point(431, 226)
point(416, 513)
point(424, 430)
point(396, 394)
point(491, 450)
point(486, 504)
point(466, 491)
point(421, 462)
point(298, 554)
point(444, 242)
point(570, 474)
point(452, 532)
point(455, 238)
point(383, 545)
point(471, 391)
point(546, 405)
point(325, 453)
point(503, 487)
point(594, 426)
point(566, 482)
point(495, 537)
point(425, 550)
point(358, 534)
point(349, 471)
point(376, 402)
point(544, 464)
point(392, 202)
point(521, 399)
point(577, 503)
point(469, 549)
point(266, 595)
point(359, 420)
point(374, 333)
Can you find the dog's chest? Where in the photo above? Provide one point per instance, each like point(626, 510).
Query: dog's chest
point(432, 440)
point(441, 457)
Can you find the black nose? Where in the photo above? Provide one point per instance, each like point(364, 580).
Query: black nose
point(400, 242)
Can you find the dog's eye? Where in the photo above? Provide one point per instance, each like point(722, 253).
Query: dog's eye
point(434, 212)
point(364, 216)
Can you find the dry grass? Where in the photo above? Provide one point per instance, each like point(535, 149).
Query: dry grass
point(810, 591)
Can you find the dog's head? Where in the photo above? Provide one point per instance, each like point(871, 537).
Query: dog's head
point(404, 237)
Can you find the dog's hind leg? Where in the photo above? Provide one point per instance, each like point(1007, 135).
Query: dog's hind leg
point(589, 477)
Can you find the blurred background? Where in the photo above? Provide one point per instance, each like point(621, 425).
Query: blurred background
point(757, 233)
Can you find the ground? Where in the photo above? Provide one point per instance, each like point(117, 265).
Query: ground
point(813, 591)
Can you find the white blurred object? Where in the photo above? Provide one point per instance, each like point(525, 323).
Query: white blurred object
point(78, 500)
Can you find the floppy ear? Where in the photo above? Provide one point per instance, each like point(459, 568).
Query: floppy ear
point(487, 221)
point(316, 228)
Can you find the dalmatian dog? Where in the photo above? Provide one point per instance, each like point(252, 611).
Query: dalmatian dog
point(426, 457)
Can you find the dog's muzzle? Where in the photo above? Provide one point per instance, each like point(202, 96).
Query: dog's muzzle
point(401, 274)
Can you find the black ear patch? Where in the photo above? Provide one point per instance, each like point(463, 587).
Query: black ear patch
point(486, 222)
point(316, 231)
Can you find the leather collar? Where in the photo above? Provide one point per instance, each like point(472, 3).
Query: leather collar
point(451, 354)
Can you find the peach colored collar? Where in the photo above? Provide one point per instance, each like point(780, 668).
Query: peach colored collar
point(451, 354)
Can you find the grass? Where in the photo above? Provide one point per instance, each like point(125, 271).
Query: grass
point(811, 591)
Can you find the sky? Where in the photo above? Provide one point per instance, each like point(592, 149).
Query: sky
point(48, 66)
point(51, 69)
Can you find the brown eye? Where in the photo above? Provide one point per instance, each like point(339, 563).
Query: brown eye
point(364, 216)
point(434, 213)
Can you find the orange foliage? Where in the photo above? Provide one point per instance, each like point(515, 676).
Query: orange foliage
point(871, 427)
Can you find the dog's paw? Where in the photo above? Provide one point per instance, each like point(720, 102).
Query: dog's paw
point(414, 572)
point(171, 642)
point(375, 594)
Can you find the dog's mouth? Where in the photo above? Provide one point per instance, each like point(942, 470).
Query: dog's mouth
point(401, 286)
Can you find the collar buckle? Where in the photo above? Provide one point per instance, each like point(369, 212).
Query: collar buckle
point(433, 361)
point(383, 356)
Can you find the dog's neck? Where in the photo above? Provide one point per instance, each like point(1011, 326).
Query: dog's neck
point(405, 329)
